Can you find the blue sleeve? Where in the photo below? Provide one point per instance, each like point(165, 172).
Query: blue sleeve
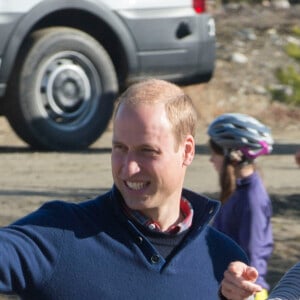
point(288, 287)
point(28, 252)
point(230, 251)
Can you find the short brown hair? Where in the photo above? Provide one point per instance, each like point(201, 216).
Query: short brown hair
point(179, 106)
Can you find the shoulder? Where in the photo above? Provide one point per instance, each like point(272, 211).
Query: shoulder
point(59, 212)
point(223, 250)
point(224, 244)
point(201, 203)
point(251, 191)
point(205, 209)
point(45, 213)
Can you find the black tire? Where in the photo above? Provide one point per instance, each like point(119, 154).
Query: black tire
point(61, 93)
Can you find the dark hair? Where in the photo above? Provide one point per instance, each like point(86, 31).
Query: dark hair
point(227, 178)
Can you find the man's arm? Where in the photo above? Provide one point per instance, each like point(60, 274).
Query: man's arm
point(288, 286)
point(238, 282)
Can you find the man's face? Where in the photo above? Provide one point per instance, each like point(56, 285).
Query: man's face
point(147, 167)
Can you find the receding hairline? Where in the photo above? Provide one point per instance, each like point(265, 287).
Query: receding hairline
point(150, 91)
point(178, 105)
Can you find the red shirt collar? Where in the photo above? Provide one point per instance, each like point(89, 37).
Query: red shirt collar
point(186, 210)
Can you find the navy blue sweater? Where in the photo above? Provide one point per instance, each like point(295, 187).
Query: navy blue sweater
point(90, 250)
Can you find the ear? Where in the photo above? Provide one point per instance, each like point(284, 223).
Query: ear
point(189, 150)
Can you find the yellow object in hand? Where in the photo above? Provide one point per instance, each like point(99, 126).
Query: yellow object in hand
point(262, 295)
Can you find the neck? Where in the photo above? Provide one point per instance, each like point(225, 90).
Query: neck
point(166, 225)
point(244, 171)
point(167, 220)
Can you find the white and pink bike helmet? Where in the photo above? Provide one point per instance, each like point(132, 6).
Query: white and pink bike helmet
point(236, 131)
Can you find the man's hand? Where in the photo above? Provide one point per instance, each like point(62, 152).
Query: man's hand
point(238, 282)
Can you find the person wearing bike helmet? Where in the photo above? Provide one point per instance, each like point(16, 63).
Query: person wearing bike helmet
point(236, 140)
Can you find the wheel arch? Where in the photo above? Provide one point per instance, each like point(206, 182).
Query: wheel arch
point(93, 18)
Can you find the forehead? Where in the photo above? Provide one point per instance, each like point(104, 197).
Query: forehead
point(144, 114)
point(144, 121)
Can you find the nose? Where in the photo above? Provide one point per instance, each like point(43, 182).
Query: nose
point(131, 165)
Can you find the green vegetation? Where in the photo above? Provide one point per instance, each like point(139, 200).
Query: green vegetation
point(293, 50)
point(296, 30)
point(289, 77)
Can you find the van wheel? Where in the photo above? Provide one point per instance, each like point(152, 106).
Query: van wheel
point(63, 89)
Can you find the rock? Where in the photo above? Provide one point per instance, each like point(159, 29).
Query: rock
point(239, 58)
point(293, 40)
point(281, 4)
point(260, 90)
point(248, 34)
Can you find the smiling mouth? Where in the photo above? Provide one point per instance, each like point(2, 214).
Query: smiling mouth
point(136, 186)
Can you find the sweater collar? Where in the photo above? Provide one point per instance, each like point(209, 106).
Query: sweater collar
point(185, 208)
point(204, 208)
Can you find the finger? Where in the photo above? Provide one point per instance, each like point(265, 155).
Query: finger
point(251, 274)
point(230, 291)
point(240, 282)
point(239, 269)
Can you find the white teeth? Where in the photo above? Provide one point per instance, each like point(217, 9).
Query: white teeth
point(135, 185)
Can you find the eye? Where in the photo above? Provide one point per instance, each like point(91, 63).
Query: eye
point(149, 151)
point(119, 147)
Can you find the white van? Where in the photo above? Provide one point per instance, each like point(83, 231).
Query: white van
point(62, 63)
